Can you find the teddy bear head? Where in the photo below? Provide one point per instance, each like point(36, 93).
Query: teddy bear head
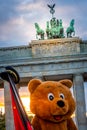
point(51, 100)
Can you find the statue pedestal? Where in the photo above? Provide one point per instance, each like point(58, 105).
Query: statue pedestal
point(55, 47)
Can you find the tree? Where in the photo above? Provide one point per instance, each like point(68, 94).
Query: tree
point(2, 121)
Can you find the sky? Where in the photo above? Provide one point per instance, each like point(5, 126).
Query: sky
point(17, 18)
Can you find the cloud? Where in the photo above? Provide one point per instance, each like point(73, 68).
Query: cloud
point(7, 10)
point(16, 31)
point(20, 28)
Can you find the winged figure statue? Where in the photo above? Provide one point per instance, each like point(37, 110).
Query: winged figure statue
point(52, 11)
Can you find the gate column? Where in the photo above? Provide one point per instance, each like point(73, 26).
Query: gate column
point(8, 108)
point(78, 82)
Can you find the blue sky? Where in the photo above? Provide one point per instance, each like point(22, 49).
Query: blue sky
point(17, 18)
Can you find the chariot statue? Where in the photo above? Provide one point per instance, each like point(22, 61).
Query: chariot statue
point(54, 29)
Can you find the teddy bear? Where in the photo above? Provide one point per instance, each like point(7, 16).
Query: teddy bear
point(52, 103)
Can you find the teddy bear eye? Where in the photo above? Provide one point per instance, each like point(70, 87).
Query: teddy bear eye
point(50, 96)
point(62, 95)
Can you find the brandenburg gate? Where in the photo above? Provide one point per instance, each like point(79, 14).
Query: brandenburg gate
point(48, 60)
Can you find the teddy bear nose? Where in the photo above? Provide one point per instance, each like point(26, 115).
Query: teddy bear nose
point(60, 103)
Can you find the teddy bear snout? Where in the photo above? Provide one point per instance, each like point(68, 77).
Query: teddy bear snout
point(60, 103)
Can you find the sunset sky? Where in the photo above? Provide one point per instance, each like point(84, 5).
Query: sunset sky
point(24, 94)
point(17, 18)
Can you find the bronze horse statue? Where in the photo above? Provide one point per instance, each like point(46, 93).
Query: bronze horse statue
point(70, 29)
point(39, 32)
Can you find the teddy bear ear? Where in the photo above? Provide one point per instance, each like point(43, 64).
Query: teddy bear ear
point(66, 82)
point(33, 84)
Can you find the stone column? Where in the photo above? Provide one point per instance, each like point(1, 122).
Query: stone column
point(80, 101)
point(8, 108)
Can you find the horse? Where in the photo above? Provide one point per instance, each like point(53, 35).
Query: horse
point(39, 32)
point(70, 29)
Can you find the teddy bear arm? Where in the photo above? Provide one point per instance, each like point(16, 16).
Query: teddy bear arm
point(71, 125)
point(36, 124)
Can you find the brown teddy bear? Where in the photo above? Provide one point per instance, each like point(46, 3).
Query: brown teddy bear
point(53, 104)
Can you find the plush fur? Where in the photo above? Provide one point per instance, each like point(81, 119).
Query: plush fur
point(53, 104)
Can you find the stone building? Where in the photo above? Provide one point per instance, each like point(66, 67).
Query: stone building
point(53, 59)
